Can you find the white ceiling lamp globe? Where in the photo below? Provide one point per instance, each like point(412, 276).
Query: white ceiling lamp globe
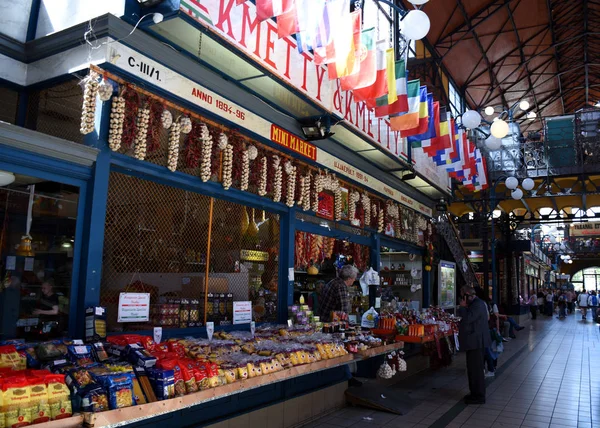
point(553, 239)
point(511, 183)
point(493, 143)
point(6, 178)
point(471, 119)
point(517, 194)
point(531, 115)
point(553, 229)
point(489, 111)
point(415, 24)
point(418, 2)
point(499, 128)
point(528, 184)
point(524, 105)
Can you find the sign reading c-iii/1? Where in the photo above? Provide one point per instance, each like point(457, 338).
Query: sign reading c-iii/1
point(292, 142)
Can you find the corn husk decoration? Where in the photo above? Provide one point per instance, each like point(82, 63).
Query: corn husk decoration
point(353, 199)
point(166, 119)
point(142, 132)
point(227, 166)
point(262, 180)
point(174, 134)
point(205, 164)
point(290, 170)
point(88, 110)
point(117, 119)
point(277, 179)
point(366, 202)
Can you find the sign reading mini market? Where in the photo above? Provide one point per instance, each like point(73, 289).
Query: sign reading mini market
point(292, 142)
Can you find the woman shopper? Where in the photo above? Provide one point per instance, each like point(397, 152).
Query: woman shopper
point(541, 298)
point(533, 304)
point(582, 302)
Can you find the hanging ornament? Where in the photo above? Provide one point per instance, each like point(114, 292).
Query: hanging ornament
point(278, 178)
point(245, 170)
point(88, 110)
point(318, 189)
point(337, 210)
point(174, 135)
point(306, 192)
point(366, 202)
point(352, 201)
point(227, 166)
point(185, 124)
point(117, 119)
point(166, 118)
point(380, 221)
point(105, 90)
point(222, 141)
point(262, 181)
point(142, 132)
point(290, 170)
point(207, 143)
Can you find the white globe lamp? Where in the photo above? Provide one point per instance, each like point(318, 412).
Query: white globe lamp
point(524, 105)
point(493, 143)
point(517, 194)
point(511, 183)
point(6, 178)
point(415, 24)
point(531, 115)
point(553, 239)
point(471, 119)
point(528, 184)
point(499, 128)
point(418, 2)
point(489, 111)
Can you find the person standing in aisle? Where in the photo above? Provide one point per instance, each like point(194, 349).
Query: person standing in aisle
point(541, 297)
point(533, 304)
point(593, 304)
point(549, 303)
point(562, 306)
point(582, 302)
point(570, 301)
point(474, 337)
point(335, 297)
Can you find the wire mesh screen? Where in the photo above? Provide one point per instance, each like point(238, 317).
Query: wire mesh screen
point(156, 241)
point(56, 111)
point(9, 100)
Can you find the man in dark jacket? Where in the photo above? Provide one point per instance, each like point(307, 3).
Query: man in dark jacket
point(474, 337)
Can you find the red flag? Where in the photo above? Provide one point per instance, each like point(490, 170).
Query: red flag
point(287, 23)
point(379, 87)
point(266, 9)
point(238, 2)
point(366, 56)
point(345, 42)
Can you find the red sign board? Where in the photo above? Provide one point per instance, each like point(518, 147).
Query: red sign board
point(292, 142)
point(326, 205)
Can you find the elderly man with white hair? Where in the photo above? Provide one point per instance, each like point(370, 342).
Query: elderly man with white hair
point(335, 297)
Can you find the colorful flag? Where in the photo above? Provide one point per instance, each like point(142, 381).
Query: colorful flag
point(266, 9)
point(238, 2)
point(366, 56)
point(429, 137)
point(382, 108)
point(287, 23)
point(379, 87)
point(323, 47)
point(344, 45)
point(443, 141)
point(479, 181)
point(423, 123)
point(410, 119)
point(390, 66)
point(417, 140)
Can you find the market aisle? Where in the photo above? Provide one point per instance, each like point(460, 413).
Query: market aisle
point(544, 379)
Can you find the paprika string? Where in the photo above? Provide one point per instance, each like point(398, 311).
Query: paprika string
point(193, 146)
point(154, 128)
point(132, 103)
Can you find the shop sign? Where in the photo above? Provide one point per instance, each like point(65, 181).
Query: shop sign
point(190, 91)
point(134, 307)
point(237, 25)
point(254, 256)
point(585, 229)
point(326, 205)
point(292, 142)
point(242, 312)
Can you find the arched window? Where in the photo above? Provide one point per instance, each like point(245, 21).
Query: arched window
point(588, 278)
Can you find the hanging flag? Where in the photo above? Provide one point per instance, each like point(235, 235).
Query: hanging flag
point(366, 57)
point(323, 47)
point(479, 181)
point(425, 141)
point(266, 9)
point(238, 2)
point(390, 66)
point(379, 87)
point(287, 22)
point(453, 156)
point(382, 108)
point(410, 119)
point(443, 142)
point(310, 15)
point(345, 42)
point(423, 123)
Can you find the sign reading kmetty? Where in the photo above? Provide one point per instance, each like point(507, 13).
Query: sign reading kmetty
point(292, 142)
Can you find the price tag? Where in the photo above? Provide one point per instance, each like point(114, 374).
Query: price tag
point(77, 342)
point(157, 334)
point(81, 350)
point(377, 302)
point(210, 329)
point(290, 323)
point(252, 328)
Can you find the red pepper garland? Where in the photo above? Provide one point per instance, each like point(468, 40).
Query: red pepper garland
point(154, 126)
point(193, 146)
point(132, 103)
point(238, 147)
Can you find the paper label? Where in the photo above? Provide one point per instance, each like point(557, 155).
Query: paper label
point(291, 274)
point(252, 328)
point(11, 262)
point(377, 302)
point(210, 329)
point(157, 334)
point(77, 342)
point(134, 307)
point(290, 323)
point(28, 264)
point(242, 312)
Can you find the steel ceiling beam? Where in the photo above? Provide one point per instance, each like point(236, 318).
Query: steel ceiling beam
point(553, 36)
point(585, 52)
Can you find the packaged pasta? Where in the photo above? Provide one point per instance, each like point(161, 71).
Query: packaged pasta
point(93, 399)
point(80, 355)
point(79, 378)
point(11, 359)
point(59, 398)
point(120, 392)
point(188, 374)
point(47, 351)
point(16, 398)
point(173, 364)
point(163, 382)
point(39, 400)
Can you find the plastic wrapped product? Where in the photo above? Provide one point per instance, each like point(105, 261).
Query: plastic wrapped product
point(120, 392)
point(39, 400)
point(80, 355)
point(59, 398)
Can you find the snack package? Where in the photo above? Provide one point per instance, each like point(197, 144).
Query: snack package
point(47, 351)
point(93, 399)
point(16, 398)
point(95, 324)
point(120, 391)
point(80, 355)
point(163, 382)
point(59, 398)
point(39, 400)
point(11, 359)
point(99, 352)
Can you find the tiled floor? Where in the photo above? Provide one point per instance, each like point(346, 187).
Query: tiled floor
point(548, 377)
